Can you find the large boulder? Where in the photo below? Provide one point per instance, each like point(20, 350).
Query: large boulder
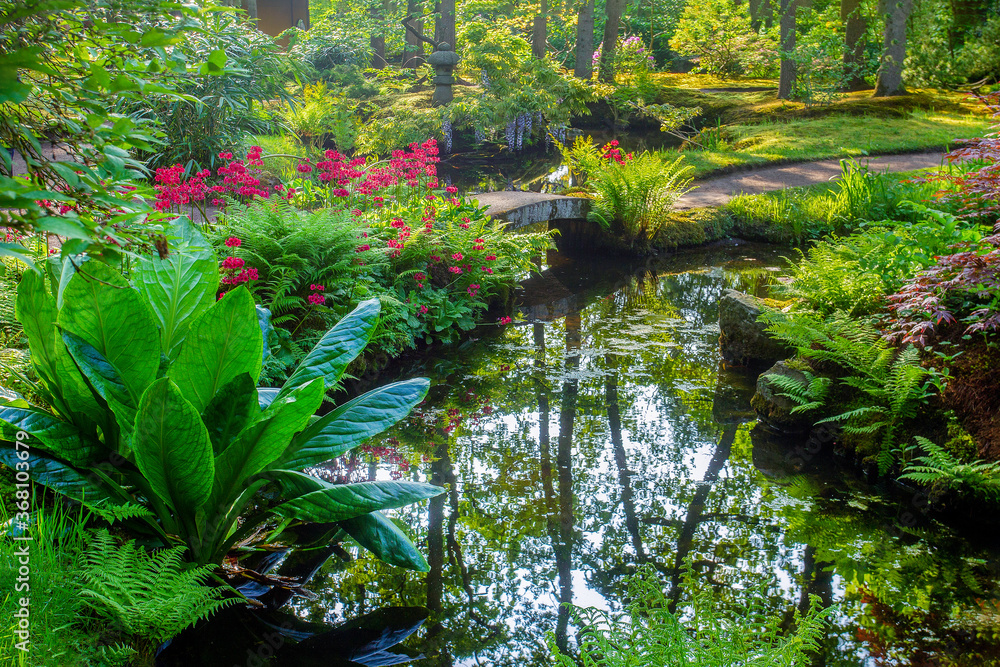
point(743, 341)
point(774, 411)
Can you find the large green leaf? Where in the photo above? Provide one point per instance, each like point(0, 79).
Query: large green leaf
point(230, 410)
point(337, 348)
point(106, 379)
point(383, 538)
point(55, 475)
point(353, 422)
point(57, 437)
point(101, 308)
point(223, 342)
point(36, 310)
point(172, 448)
point(338, 502)
point(263, 441)
point(181, 286)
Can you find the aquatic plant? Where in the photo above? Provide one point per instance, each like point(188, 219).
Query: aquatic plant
point(154, 402)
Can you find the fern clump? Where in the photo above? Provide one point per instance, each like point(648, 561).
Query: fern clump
point(150, 596)
point(942, 470)
point(633, 198)
point(881, 386)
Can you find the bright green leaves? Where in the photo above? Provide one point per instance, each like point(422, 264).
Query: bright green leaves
point(67, 391)
point(337, 348)
point(384, 539)
point(230, 410)
point(179, 287)
point(110, 316)
point(215, 63)
point(262, 442)
point(353, 422)
point(223, 342)
point(336, 502)
point(59, 438)
point(172, 448)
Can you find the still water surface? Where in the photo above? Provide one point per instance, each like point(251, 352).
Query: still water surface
point(600, 434)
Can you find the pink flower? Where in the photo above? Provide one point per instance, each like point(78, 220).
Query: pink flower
point(486, 269)
point(451, 189)
point(304, 168)
point(252, 274)
point(233, 263)
point(316, 288)
point(457, 257)
point(454, 269)
point(505, 320)
point(424, 309)
point(340, 192)
point(464, 226)
point(233, 242)
point(490, 258)
point(362, 248)
point(435, 258)
point(316, 299)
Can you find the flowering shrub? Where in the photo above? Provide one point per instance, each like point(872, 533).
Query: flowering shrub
point(631, 57)
point(237, 179)
point(388, 230)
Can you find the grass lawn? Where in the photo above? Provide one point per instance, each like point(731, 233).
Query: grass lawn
point(834, 136)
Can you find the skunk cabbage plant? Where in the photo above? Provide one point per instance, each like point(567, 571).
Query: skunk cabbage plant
point(153, 400)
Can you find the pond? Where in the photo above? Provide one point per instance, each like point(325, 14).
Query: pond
point(598, 435)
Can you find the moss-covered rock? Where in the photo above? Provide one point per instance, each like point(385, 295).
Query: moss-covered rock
point(743, 340)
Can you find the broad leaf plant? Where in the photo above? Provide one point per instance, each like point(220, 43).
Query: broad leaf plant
point(154, 401)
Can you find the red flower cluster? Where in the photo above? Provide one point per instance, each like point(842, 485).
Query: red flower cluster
point(611, 152)
point(173, 190)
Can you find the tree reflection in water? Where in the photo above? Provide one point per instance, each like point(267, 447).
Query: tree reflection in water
point(654, 463)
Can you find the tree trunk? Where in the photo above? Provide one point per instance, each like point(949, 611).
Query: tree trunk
point(413, 50)
point(757, 8)
point(890, 72)
point(377, 41)
point(613, 17)
point(786, 79)
point(854, 45)
point(584, 67)
point(252, 8)
point(539, 32)
point(444, 27)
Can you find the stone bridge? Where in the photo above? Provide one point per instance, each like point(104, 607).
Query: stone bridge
point(522, 209)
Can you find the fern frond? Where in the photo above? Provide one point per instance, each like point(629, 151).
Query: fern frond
point(151, 595)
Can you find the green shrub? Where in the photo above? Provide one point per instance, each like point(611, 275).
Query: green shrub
point(718, 33)
point(941, 470)
point(149, 596)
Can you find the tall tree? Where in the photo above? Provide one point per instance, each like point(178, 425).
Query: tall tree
point(786, 78)
point(854, 45)
point(413, 51)
point(613, 15)
point(760, 14)
point(890, 71)
point(444, 27)
point(584, 67)
point(378, 11)
point(539, 31)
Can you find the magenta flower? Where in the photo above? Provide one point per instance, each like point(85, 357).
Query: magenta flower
point(233, 242)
